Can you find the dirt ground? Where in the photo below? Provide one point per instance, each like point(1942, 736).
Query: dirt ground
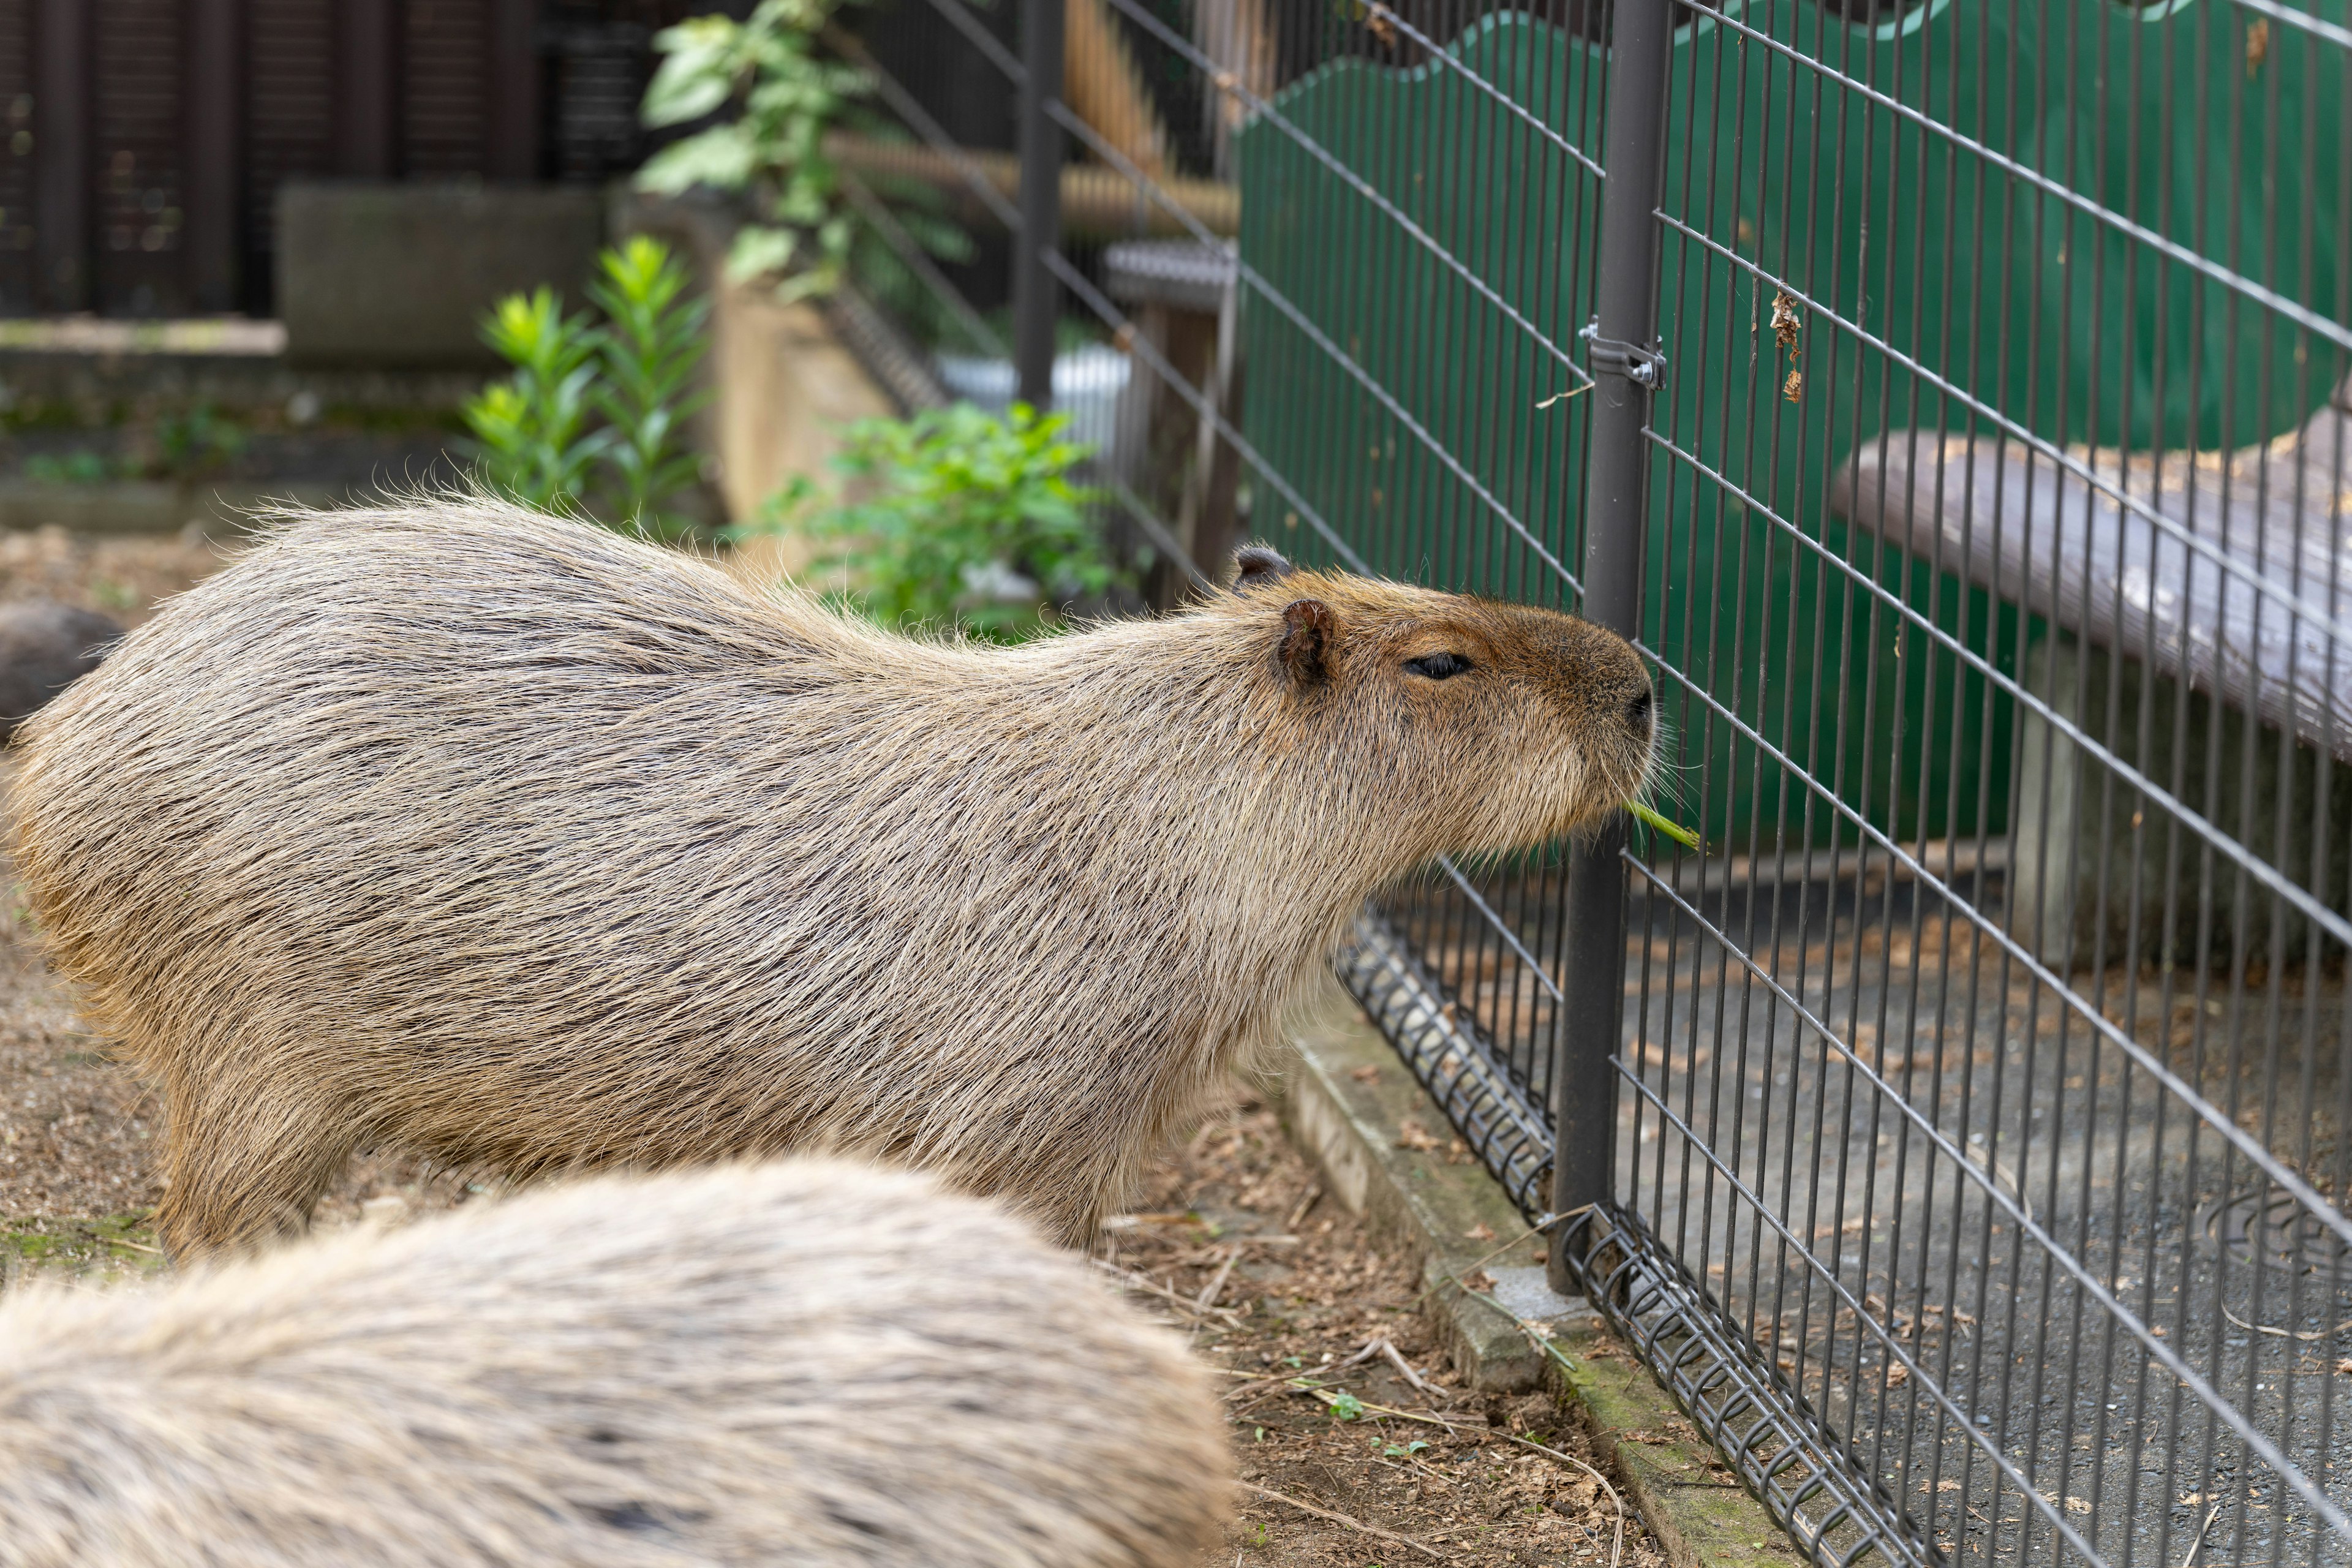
point(1357, 1448)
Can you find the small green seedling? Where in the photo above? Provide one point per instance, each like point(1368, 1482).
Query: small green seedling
point(1346, 1406)
point(1650, 819)
point(1404, 1451)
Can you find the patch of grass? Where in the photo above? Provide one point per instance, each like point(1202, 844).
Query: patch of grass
point(117, 1245)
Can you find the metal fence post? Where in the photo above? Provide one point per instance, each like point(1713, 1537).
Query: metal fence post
point(1627, 369)
point(1036, 293)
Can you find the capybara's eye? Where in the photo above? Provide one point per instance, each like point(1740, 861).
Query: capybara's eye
point(1438, 666)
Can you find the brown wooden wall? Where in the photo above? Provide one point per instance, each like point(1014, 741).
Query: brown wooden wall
point(143, 141)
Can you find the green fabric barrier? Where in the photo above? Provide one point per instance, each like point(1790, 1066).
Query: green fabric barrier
point(1806, 166)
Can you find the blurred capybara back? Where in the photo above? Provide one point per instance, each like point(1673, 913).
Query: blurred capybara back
point(810, 1362)
point(512, 842)
point(46, 646)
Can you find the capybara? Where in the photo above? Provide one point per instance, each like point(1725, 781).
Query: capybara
point(46, 646)
point(809, 1362)
point(523, 845)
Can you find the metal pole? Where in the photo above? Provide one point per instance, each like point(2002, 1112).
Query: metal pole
point(1036, 293)
point(1628, 368)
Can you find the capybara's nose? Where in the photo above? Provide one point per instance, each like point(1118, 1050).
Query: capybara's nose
point(1638, 715)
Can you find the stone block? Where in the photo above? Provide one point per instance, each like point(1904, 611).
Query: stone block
point(399, 274)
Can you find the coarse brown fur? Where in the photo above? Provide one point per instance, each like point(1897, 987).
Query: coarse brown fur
point(506, 840)
point(804, 1362)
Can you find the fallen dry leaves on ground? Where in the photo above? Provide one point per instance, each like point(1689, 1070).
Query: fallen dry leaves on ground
point(1234, 1242)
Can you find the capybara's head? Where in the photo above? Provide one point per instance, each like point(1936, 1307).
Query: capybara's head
point(1485, 726)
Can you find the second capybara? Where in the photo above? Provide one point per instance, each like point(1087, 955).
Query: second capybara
point(809, 1362)
point(46, 646)
point(504, 839)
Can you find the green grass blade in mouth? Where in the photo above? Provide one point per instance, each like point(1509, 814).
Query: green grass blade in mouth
point(1682, 836)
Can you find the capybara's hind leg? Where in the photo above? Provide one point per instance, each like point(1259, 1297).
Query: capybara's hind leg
point(239, 1174)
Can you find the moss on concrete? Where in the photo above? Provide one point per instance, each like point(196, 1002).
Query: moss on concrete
point(116, 1247)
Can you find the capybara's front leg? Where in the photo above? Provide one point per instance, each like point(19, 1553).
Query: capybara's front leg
point(241, 1171)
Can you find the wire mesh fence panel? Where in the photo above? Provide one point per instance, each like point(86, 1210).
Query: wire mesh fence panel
point(1985, 1076)
point(1970, 1126)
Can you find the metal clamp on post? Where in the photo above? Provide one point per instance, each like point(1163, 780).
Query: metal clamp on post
point(1607, 356)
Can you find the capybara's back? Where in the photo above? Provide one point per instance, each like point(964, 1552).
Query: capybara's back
point(499, 838)
point(809, 1362)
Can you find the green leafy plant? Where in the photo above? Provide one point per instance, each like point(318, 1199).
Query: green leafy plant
point(970, 520)
point(1346, 1406)
point(653, 341)
point(810, 233)
point(81, 467)
point(593, 417)
point(197, 442)
point(533, 426)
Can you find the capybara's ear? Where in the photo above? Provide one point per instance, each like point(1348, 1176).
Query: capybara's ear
point(1254, 566)
point(1306, 632)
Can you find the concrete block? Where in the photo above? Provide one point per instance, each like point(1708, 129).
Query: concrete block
point(399, 275)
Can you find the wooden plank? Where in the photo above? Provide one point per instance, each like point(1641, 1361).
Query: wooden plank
point(64, 139)
point(212, 175)
point(510, 130)
point(2240, 582)
point(367, 89)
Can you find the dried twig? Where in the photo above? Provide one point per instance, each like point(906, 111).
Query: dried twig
point(1397, 1360)
point(1425, 1418)
point(1135, 1281)
point(1313, 1193)
point(1521, 1239)
point(1430, 1552)
point(2191, 1561)
point(1216, 1288)
point(1616, 1551)
point(2286, 1333)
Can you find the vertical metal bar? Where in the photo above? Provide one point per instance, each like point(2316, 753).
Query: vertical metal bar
point(1616, 522)
point(212, 168)
point(64, 145)
point(1036, 295)
point(511, 125)
point(367, 89)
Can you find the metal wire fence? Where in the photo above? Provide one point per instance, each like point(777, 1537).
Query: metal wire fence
point(1950, 399)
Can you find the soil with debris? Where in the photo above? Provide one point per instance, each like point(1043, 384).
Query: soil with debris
point(1357, 1445)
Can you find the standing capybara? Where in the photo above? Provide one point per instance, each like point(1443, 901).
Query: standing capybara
point(505, 840)
point(46, 646)
point(809, 1362)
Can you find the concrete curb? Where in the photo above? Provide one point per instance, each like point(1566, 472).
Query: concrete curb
point(1385, 1152)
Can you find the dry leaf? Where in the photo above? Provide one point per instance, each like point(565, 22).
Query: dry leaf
point(1412, 1134)
point(1369, 1073)
point(1482, 1231)
point(1793, 389)
point(1786, 322)
point(1897, 1375)
point(2257, 44)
